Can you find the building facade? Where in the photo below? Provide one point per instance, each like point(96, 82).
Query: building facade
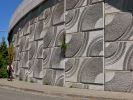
point(84, 44)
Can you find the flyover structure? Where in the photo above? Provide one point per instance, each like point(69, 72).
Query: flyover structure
point(74, 43)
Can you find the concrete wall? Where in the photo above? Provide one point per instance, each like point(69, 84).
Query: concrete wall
point(76, 43)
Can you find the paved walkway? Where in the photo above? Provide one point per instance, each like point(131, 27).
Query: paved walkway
point(74, 93)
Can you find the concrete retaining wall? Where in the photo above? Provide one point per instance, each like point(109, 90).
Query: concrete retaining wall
point(76, 43)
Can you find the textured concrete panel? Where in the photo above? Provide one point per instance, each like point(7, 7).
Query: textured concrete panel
point(57, 59)
point(38, 68)
point(71, 19)
point(118, 81)
point(87, 44)
point(85, 70)
point(25, 60)
point(26, 44)
point(49, 37)
point(80, 39)
point(118, 56)
point(47, 17)
point(118, 29)
point(60, 78)
point(46, 57)
point(32, 50)
point(91, 18)
point(32, 32)
point(85, 18)
point(26, 28)
point(40, 49)
point(91, 71)
point(71, 66)
point(22, 43)
point(17, 54)
point(60, 35)
point(21, 74)
point(58, 13)
point(49, 77)
point(15, 66)
point(39, 29)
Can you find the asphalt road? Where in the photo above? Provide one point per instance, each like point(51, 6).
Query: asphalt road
point(8, 94)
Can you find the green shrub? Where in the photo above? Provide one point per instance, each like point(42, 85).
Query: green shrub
point(3, 72)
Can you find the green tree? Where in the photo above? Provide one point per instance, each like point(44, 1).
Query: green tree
point(10, 53)
point(3, 58)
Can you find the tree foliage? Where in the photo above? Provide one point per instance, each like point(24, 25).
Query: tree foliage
point(10, 53)
point(3, 58)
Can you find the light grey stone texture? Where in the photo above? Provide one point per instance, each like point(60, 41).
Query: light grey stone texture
point(60, 78)
point(49, 77)
point(88, 44)
point(47, 17)
point(118, 81)
point(85, 70)
point(25, 60)
point(75, 38)
point(118, 5)
point(38, 72)
point(26, 44)
point(39, 49)
point(21, 74)
point(20, 33)
point(31, 64)
point(53, 77)
point(32, 50)
point(57, 59)
point(71, 18)
point(49, 37)
point(22, 43)
point(46, 58)
point(60, 36)
point(85, 18)
point(91, 18)
point(118, 56)
point(32, 32)
point(17, 54)
point(91, 71)
point(117, 29)
point(71, 66)
point(58, 13)
point(39, 29)
point(26, 28)
point(15, 39)
point(16, 67)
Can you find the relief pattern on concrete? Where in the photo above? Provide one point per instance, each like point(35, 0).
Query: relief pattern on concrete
point(95, 54)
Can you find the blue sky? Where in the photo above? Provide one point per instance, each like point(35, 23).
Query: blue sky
point(7, 7)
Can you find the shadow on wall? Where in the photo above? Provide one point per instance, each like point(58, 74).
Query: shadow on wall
point(123, 5)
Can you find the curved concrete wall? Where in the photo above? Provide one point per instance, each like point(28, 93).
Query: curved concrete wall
point(76, 43)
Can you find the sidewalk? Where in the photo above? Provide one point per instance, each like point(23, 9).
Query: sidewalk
point(65, 92)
